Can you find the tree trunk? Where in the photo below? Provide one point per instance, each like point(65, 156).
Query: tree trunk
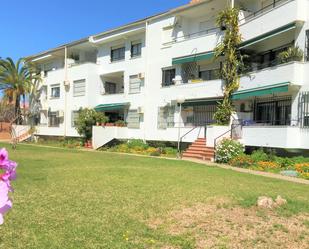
point(17, 110)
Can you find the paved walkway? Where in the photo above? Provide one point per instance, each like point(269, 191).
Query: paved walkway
point(252, 172)
point(223, 166)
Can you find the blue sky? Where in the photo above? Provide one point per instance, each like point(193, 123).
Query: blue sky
point(32, 26)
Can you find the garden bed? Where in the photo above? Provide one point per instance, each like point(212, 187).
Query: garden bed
point(232, 152)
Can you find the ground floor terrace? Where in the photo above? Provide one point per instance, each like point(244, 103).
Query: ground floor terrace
point(269, 116)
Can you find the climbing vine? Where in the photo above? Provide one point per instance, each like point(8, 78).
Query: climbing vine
point(230, 71)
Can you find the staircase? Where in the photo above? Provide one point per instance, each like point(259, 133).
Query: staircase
point(5, 135)
point(199, 150)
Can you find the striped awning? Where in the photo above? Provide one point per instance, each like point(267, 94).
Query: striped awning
point(268, 35)
point(192, 58)
point(260, 91)
point(111, 107)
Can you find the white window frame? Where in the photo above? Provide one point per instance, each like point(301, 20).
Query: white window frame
point(52, 95)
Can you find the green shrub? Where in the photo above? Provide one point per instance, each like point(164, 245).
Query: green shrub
point(285, 162)
point(169, 151)
point(300, 159)
point(137, 143)
point(86, 119)
point(259, 155)
point(291, 54)
point(227, 150)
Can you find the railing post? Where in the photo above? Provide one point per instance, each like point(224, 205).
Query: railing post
point(205, 131)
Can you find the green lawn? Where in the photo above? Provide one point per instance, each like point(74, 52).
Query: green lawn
point(76, 199)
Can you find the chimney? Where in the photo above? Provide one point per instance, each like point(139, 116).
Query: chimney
point(195, 1)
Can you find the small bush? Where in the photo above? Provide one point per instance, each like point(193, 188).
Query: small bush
point(86, 119)
point(137, 143)
point(285, 162)
point(259, 155)
point(242, 161)
point(227, 150)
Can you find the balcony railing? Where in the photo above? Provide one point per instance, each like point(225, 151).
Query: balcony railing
point(214, 30)
point(192, 35)
point(267, 8)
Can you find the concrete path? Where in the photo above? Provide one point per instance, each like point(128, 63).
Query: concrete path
point(252, 172)
point(223, 166)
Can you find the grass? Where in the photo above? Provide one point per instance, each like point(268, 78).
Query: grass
point(76, 199)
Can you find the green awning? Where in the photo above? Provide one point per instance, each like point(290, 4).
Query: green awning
point(111, 107)
point(268, 35)
point(201, 102)
point(260, 91)
point(193, 58)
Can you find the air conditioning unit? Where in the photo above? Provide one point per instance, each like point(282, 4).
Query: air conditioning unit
point(60, 114)
point(141, 75)
point(66, 83)
point(140, 110)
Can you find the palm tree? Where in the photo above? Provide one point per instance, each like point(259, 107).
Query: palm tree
point(17, 79)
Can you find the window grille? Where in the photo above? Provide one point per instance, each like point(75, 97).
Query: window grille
point(303, 109)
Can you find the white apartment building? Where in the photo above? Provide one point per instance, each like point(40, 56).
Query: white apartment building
point(141, 72)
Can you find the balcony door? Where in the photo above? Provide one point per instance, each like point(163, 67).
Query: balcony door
point(273, 111)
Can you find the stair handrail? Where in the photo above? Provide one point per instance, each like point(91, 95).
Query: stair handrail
point(194, 128)
point(233, 127)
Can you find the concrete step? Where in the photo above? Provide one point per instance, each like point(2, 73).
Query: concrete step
point(198, 157)
point(204, 153)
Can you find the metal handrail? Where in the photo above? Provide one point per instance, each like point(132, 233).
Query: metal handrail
point(194, 128)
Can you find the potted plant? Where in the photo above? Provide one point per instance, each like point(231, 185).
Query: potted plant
point(291, 54)
point(120, 123)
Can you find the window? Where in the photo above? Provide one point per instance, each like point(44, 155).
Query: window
point(55, 91)
point(209, 74)
point(79, 88)
point(118, 54)
point(166, 117)
point(167, 34)
point(53, 119)
point(273, 111)
point(307, 46)
point(133, 119)
point(303, 109)
point(110, 88)
point(168, 76)
point(136, 49)
point(135, 84)
point(74, 117)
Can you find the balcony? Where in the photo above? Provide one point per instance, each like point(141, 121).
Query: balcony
point(292, 72)
point(270, 18)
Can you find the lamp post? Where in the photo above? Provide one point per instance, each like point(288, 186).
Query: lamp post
point(180, 100)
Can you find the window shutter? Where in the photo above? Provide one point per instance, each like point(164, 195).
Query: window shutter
point(79, 88)
point(133, 119)
point(162, 122)
point(135, 84)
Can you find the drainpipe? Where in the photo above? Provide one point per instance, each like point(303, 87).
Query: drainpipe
point(65, 89)
point(232, 3)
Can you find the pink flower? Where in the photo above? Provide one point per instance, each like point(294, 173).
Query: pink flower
point(5, 202)
point(8, 174)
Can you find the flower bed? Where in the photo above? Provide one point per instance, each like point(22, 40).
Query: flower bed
point(230, 152)
point(136, 146)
